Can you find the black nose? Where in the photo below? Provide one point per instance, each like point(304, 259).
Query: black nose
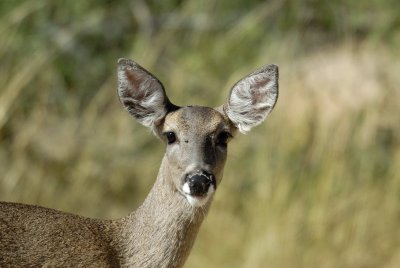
point(199, 183)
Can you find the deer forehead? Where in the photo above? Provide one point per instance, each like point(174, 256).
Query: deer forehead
point(196, 120)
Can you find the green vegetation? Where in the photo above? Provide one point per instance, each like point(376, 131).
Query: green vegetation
point(317, 185)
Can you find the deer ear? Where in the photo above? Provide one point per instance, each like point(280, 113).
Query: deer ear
point(141, 94)
point(253, 98)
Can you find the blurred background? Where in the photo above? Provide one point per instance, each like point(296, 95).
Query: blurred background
point(316, 185)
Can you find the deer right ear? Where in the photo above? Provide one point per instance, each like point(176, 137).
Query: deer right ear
point(253, 98)
point(141, 94)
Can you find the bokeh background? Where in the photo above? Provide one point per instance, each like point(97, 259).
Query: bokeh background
point(317, 185)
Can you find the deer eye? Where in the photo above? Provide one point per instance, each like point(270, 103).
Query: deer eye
point(171, 137)
point(223, 138)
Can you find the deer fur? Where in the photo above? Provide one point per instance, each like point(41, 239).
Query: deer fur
point(162, 231)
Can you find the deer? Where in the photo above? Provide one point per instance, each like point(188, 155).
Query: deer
point(162, 230)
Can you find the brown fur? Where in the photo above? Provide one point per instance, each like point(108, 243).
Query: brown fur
point(33, 236)
point(160, 233)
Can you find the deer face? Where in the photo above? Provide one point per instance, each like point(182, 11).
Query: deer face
point(197, 142)
point(196, 137)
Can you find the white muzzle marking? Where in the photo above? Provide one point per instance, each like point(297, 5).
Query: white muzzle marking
point(197, 201)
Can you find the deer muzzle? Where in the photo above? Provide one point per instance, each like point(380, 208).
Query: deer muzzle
point(200, 182)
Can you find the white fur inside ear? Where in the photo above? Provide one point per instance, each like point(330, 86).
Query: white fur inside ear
point(253, 98)
point(141, 94)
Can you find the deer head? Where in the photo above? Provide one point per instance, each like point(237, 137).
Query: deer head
point(196, 137)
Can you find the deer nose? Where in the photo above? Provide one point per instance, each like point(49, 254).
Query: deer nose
point(200, 182)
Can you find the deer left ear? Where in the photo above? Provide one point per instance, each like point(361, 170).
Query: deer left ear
point(142, 94)
point(253, 98)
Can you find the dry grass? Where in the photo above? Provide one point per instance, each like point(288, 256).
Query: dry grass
point(317, 185)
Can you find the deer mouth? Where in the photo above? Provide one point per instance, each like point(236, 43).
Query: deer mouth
point(198, 200)
point(198, 188)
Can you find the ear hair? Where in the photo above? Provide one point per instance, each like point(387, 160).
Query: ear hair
point(141, 94)
point(253, 98)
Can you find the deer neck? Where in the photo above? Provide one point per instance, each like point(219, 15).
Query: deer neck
point(161, 232)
